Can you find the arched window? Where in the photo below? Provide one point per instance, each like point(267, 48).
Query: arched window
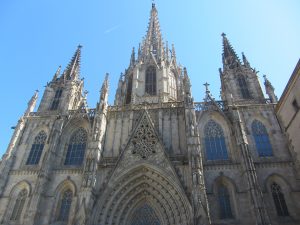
point(243, 87)
point(150, 85)
point(224, 202)
point(19, 205)
point(215, 145)
point(279, 200)
point(172, 86)
point(76, 148)
point(56, 99)
point(261, 138)
point(36, 149)
point(129, 89)
point(144, 215)
point(65, 205)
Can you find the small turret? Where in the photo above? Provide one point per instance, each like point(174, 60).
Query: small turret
point(187, 87)
point(103, 94)
point(270, 90)
point(132, 58)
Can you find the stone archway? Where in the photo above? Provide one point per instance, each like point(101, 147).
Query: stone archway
point(146, 190)
point(144, 214)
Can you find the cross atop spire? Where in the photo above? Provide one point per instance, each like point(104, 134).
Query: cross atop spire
point(230, 58)
point(206, 87)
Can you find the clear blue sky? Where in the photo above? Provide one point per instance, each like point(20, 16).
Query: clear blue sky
point(38, 36)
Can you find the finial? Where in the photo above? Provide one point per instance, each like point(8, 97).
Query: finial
point(153, 4)
point(206, 87)
point(79, 46)
point(223, 34)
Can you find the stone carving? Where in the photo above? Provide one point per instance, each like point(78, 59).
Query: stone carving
point(144, 139)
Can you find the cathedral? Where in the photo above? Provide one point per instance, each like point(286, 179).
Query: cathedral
point(154, 157)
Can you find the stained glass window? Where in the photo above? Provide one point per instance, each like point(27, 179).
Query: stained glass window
point(279, 200)
point(243, 87)
point(19, 205)
point(150, 85)
point(76, 148)
point(215, 145)
point(36, 149)
point(144, 215)
point(261, 138)
point(56, 99)
point(65, 206)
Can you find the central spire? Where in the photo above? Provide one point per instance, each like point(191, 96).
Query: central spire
point(230, 58)
point(152, 43)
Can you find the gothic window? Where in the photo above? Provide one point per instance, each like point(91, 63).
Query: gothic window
point(150, 85)
point(261, 138)
point(19, 205)
point(243, 87)
point(172, 85)
point(76, 148)
point(279, 200)
point(144, 215)
point(129, 89)
point(56, 99)
point(65, 205)
point(224, 201)
point(215, 145)
point(36, 149)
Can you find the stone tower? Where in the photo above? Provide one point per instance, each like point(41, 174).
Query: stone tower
point(155, 156)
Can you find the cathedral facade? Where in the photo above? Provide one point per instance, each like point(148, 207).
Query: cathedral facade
point(154, 157)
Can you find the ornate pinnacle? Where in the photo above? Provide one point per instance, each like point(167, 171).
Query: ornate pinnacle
point(73, 68)
point(245, 60)
point(56, 75)
point(230, 58)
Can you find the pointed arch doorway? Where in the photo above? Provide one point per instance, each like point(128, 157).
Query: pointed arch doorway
point(144, 214)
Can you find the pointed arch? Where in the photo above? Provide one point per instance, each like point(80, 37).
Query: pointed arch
point(279, 200)
point(214, 139)
point(241, 81)
point(19, 205)
point(65, 206)
point(76, 147)
point(144, 214)
point(224, 202)
point(150, 80)
point(37, 148)
point(142, 186)
point(261, 138)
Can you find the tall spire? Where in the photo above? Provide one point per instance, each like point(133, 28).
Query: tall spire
point(270, 90)
point(73, 69)
point(153, 41)
point(230, 58)
point(104, 88)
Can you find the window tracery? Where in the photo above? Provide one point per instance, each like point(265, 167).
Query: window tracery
point(279, 200)
point(65, 206)
point(215, 142)
point(56, 99)
point(76, 148)
point(19, 205)
point(172, 86)
point(144, 139)
point(36, 149)
point(261, 138)
point(243, 87)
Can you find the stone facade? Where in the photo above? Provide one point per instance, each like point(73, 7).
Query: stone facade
point(287, 111)
point(154, 157)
